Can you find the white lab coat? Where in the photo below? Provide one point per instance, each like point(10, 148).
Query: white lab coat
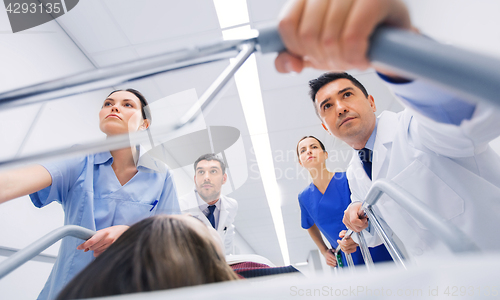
point(452, 169)
point(225, 227)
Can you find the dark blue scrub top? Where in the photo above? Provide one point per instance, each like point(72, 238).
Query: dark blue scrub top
point(327, 211)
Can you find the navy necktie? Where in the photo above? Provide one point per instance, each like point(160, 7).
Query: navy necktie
point(210, 215)
point(365, 155)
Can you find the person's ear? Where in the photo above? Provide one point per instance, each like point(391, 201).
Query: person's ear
point(224, 178)
point(145, 124)
point(372, 103)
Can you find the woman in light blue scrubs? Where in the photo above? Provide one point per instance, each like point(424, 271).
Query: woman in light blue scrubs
point(323, 202)
point(106, 192)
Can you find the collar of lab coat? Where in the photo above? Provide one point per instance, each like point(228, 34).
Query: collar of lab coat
point(203, 205)
point(195, 208)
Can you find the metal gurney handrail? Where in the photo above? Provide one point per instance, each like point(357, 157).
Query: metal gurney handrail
point(474, 76)
point(124, 140)
point(452, 237)
point(470, 74)
point(24, 255)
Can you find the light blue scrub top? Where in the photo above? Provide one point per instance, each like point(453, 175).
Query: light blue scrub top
point(92, 197)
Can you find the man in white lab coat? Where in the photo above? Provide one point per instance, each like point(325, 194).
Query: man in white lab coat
point(437, 148)
point(206, 202)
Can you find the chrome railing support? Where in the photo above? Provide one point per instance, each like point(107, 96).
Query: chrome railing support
point(26, 254)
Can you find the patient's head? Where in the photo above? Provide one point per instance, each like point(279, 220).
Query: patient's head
point(160, 252)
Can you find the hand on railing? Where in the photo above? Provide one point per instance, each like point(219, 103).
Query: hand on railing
point(355, 217)
point(330, 258)
point(334, 35)
point(347, 244)
point(102, 239)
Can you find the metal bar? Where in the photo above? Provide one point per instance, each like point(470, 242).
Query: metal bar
point(367, 257)
point(268, 41)
point(124, 140)
point(41, 244)
point(206, 99)
point(394, 251)
point(471, 75)
point(364, 251)
point(454, 238)
point(468, 74)
point(119, 73)
point(7, 251)
point(350, 262)
point(347, 234)
point(110, 143)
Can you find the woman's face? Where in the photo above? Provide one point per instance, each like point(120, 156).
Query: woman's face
point(121, 113)
point(310, 153)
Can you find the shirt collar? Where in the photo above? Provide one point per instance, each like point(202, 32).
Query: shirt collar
point(102, 158)
point(145, 161)
point(204, 205)
point(371, 141)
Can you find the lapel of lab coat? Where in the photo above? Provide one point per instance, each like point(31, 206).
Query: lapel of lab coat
point(386, 129)
point(222, 215)
point(190, 205)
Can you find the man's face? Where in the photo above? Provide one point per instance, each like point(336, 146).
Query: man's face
point(209, 179)
point(346, 112)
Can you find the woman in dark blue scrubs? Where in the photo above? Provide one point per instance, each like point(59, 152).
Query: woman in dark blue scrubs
point(323, 202)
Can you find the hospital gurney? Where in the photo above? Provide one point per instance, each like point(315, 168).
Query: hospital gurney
point(475, 77)
point(456, 240)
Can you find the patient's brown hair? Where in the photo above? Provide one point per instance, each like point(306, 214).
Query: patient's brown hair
point(160, 252)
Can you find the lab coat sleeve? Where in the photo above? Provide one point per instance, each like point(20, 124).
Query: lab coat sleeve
point(445, 124)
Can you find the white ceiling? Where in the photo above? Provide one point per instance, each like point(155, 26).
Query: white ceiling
point(98, 33)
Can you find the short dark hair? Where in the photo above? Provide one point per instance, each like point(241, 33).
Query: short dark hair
point(146, 111)
point(316, 84)
point(308, 136)
point(209, 157)
point(157, 253)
